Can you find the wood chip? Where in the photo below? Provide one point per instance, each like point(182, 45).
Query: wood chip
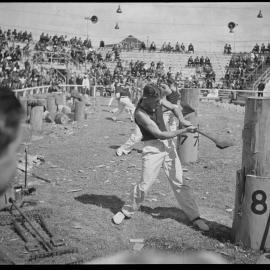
point(136, 240)
point(138, 246)
point(101, 166)
point(74, 190)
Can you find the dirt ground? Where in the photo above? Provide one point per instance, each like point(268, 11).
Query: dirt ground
point(82, 157)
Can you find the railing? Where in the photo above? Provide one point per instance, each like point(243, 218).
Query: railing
point(68, 87)
point(264, 77)
point(44, 89)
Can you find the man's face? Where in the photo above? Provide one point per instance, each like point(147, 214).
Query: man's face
point(8, 164)
point(151, 103)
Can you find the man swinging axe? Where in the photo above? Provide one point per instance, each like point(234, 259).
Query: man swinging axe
point(159, 150)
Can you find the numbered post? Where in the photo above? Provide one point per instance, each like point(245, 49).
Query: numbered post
point(251, 214)
point(188, 144)
point(255, 219)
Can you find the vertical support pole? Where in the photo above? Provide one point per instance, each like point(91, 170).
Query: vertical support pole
point(252, 199)
point(188, 144)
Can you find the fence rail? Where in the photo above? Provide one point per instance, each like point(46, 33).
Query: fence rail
point(67, 87)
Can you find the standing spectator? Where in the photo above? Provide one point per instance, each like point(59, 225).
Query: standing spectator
point(177, 47)
point(142, 47)
point(262, 48)
point(229, 49)
point(225, 49)
point(79, 81)
point(261, 87)
point(102, 44)
point(152, 47)
point(182, 47)
point(86, 85)
point(190, 48)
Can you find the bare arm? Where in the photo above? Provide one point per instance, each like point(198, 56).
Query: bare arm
point(176, 110)
point(145, 121)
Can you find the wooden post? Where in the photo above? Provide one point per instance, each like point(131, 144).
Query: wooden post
point(79, 111)
point(23, 101)
point(61, 118)
point(60, 98)
point(252, 200)
point(36, 117)
point(51, 105)
point(187, 144)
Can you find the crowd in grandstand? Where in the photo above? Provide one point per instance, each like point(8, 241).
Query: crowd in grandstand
point(198, 62)
point(20, 72)
point(17, 36)
point(242, 67)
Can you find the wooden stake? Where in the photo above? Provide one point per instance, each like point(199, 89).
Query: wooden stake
point(187, 144)
point(79, 111)
point(255, 162)
point(36, 118)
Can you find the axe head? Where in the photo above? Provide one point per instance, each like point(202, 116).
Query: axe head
point(187, 109)
point(224, 144)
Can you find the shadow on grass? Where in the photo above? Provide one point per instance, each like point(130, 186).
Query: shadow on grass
point(217, 231)
point(134, 149)
point(114, 146)
point(111, 202)
point(109, 118)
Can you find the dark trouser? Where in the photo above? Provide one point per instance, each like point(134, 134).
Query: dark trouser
point(260, 94)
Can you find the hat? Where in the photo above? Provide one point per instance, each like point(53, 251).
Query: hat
point(151, 90)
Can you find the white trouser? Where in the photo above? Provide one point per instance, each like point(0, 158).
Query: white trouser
point(125, 104)
point(111, 100)
point(135, 137)
point(157, 153)
point(170, 121)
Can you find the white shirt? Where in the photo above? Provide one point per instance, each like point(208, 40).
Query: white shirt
point(86, 83)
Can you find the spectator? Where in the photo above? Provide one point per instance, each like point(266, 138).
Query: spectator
point(86, 85)
point(102, 44)
point(142, 47)
point(190, 48)
point(190, 61)
point(177, 47)
point(262, 48)
point(152, 47)
point(182, 47)
point(261, 87)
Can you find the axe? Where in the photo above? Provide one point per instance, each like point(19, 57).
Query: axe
point(221, 144)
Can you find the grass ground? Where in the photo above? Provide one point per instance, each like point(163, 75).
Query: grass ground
point(82, 157)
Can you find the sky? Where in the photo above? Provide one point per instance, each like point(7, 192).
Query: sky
point(205, 24)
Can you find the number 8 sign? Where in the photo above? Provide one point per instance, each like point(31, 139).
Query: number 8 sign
point(255, 212)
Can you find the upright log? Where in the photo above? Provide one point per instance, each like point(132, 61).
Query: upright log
point(79, 111)
point(51, 105)
point(23, 101)
point(36, 118)
point(252, 197)
point(187, 144)
point(61, 118)
point(60, 98)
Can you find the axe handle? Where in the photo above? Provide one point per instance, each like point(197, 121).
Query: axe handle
point(207, 136)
